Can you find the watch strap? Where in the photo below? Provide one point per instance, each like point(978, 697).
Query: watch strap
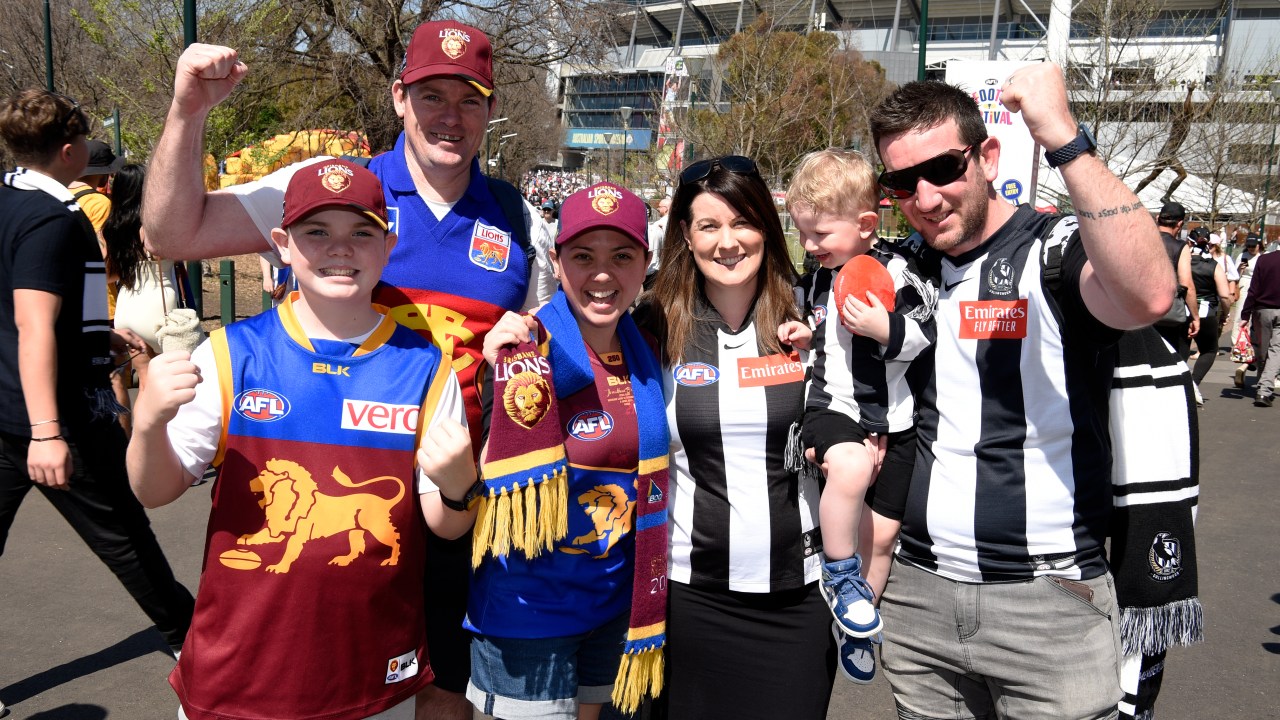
point(463, 505)
point(1079, 145)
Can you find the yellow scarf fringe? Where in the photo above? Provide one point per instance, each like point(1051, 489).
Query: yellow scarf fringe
point(639, 674)
point(530, 519)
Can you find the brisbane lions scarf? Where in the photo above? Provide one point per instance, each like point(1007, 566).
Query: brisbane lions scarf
point(523, 457)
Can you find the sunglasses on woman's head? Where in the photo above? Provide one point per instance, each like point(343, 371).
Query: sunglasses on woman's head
point(941, 169)
point(736, 164)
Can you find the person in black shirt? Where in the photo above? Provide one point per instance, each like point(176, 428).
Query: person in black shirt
point(58, 432)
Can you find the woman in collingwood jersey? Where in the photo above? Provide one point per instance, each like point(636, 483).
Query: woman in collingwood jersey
point(744, 607)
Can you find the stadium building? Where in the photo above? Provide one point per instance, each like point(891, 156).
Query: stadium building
point(1140, 67)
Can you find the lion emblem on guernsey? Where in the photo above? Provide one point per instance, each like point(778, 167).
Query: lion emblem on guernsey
point(297, 512)
point(611, 513)
point(526, 398)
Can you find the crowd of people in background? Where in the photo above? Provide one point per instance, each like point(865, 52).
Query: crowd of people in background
point(669, 509)
point(552, 186)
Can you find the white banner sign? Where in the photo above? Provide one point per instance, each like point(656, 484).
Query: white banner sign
point(1019, 154)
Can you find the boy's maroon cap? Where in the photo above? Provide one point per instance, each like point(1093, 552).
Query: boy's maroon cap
point(334, 184)
point(604, 205)
point(447, 47)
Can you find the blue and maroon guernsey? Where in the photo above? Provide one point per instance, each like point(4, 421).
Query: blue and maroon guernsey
point(450, 279)
point(310, 601)
point(586, 580)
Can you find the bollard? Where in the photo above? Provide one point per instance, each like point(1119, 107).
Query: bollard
point(195, 276)
point(227, 286)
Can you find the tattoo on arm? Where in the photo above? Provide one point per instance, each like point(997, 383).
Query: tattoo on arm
point(1111, 211)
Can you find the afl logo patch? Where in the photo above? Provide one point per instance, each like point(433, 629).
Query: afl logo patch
point(590, 425)
point(261, 405)
point(1000, 278)
point(819, 314)
point(696, 374)
point(1165, 557)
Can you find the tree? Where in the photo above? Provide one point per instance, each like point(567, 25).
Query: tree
point(782, 94)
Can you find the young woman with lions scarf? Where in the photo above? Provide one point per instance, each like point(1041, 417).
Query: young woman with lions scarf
point(569, 595)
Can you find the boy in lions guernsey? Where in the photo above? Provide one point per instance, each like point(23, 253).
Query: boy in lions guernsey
point(336, 433)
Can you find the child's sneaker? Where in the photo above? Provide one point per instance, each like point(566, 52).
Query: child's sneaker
point(849, 597)
point(857, 655)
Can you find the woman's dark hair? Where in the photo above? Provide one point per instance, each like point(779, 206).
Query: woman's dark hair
point(122, 230)
point(669, 306)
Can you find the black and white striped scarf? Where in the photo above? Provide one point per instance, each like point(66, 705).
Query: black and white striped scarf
point(1155, 486)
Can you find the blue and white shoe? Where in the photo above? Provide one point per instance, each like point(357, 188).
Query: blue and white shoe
point(850, 597)
point(857, 655)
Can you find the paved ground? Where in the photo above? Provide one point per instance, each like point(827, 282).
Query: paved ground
point(74, 647)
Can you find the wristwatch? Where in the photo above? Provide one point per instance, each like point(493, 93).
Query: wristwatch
point(1083, 143)
point(463, 505)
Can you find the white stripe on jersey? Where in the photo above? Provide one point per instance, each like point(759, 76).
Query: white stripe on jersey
point(741, 475)
point(1001, 487)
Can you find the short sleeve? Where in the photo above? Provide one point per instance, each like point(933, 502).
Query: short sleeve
point(263, 198)
point(195, 431)
point(449, 406)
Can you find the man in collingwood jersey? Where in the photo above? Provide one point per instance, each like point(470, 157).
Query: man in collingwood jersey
point(1000, 594)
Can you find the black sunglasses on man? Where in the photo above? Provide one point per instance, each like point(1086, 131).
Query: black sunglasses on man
point(941, 169)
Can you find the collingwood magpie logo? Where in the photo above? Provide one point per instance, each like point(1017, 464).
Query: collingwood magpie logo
point(1000, 278)
point(1165, 557)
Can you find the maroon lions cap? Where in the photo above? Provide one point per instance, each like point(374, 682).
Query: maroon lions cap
point(446, 47)
point(334, 184)
point(604, 205)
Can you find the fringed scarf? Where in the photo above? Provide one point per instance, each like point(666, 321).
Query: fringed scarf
point(1155, 485)
point(525, 473)
point(560, 342)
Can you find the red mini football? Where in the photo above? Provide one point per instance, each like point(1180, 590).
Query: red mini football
point(860, 275)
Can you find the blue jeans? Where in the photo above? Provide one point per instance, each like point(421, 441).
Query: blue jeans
point(1033, 650)
point(545, 677)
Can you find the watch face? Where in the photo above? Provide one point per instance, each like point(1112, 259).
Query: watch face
point(1087, 134)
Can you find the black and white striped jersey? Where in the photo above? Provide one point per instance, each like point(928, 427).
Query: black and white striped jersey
point(738, 519)
point(1013, 472)
point(855, 375)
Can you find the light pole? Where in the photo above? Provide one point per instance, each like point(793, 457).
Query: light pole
point(626, 138)
point(502, 160)
point(1271, 149)
point(608, 151)
point(488, 130)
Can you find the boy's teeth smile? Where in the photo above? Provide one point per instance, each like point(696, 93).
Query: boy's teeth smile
point(338, 272)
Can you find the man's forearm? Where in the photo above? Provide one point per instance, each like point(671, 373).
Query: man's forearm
point(1121, 240)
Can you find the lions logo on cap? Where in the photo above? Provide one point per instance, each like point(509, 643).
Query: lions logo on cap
point(454, 43)
point(605, 200)
point(335, 178)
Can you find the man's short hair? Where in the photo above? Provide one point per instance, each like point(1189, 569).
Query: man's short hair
point(921, 105)
point(841, 182)
point(35, 123)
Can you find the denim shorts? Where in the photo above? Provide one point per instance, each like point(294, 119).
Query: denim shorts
point(545, 677)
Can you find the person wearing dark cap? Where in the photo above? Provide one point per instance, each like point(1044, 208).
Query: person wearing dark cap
point(90, 190)
point(470, 247)
point(301, 570)
point(58, 431)
point(567, 621)
point(1182, 321)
